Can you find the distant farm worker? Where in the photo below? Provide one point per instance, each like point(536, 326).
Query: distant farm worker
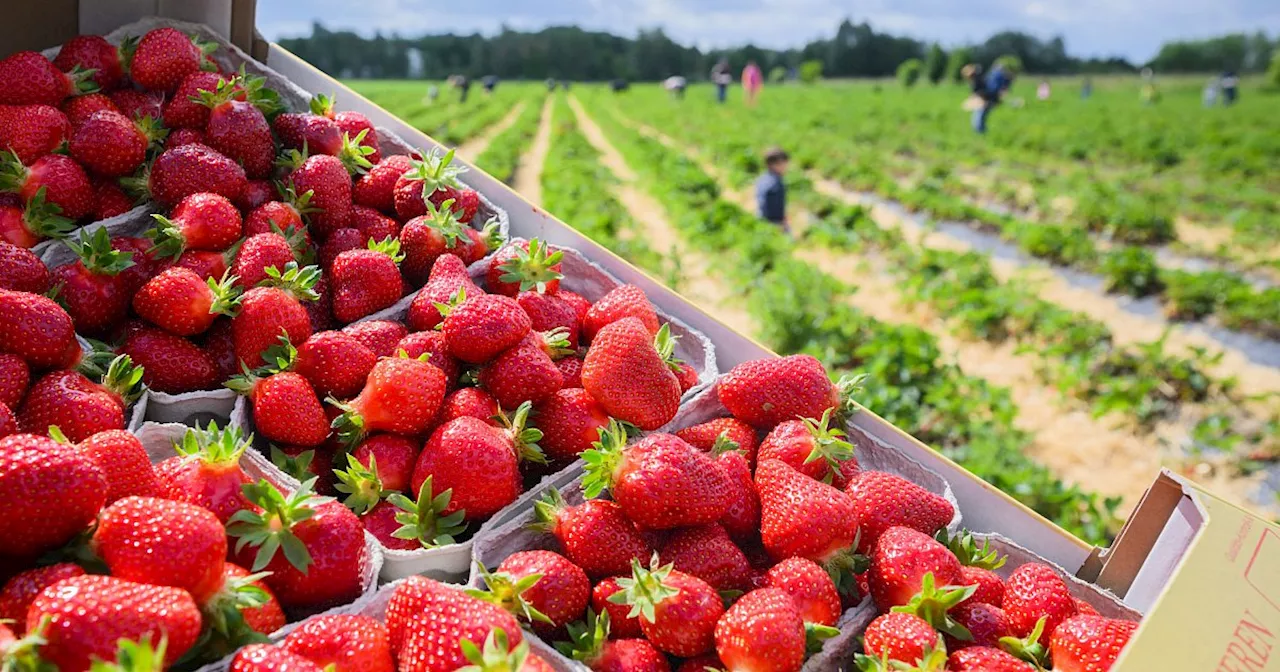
point(721, 78)
point(1230, 87)
point(551, 84)
point(675, 85)
point(771, 193)
point(752, 82)
point(463, 85)
point(1043, 91)
point(490, 82)
point(1209, 97)
point(987, 92)
point(1149, 94)
point(433, 92)
point(1086, 89)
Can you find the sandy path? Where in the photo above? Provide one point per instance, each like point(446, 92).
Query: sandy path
point(474, 147)
point(695, 282)
point(528, 177)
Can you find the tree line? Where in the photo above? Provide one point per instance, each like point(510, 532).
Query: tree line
point(855, 50)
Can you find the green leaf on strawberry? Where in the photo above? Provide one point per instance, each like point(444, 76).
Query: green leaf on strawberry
point(645, 589)
point(425, 520)
point(496, 655)
point(271, 529)
point(604, 459)
point(361, 485)
point(507, 591)
point(932, 604)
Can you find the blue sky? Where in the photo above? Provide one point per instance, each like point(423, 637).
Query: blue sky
point(1130, 28)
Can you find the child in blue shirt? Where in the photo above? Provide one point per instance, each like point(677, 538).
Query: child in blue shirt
point(771, 192)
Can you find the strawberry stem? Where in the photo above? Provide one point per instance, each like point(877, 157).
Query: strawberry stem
point(587, 639)
point(211, 445)
point(436, 173)
point(932, 604)
point(547, 511)
point(829, 445)
point(645, 589)
point(604, 460)
point(299, 282)
point(969, 553)
point(44, 219)
point(361, 485)
point(524, 437)
point(124, 379)
point(425, 520)
point(271, 529)
point(507, 592)
point(533, 268)
point(445, 222)
point(95, 252)
point(496, 655)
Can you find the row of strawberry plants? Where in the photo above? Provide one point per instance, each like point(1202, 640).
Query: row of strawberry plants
point(448, 121)
point(801, 309)
point(503, 154)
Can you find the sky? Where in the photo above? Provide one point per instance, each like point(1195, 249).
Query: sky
point(1134, 29)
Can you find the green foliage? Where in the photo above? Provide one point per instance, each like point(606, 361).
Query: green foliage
point(1273, 71)
point(777, 74)
point(935, 64)
point(1131, 271)
point(909, 72)
point(811, 71)
point(1011, 62)
point(956, 60)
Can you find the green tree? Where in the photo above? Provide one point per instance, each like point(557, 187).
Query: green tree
point(909, 72)
point(935, 63)
point(1273, 73)
point(1010, 62)
point(810, 71)
point(959, 57)
point(778, 74)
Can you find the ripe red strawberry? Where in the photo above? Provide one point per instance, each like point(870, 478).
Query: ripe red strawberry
point(596, 535)
point(626, 372)
point(79, 406)
point(373, 225)
point(22, 588)
point(623, 301)
point(448, 276)
point(1081, 606)
point(525, 372)
point(465, 202)
point(901, 637)
point(570, 371)
point(803, 517)
point(571, 421)
point(1034, 591)
point(762, 631)
point(1089, 643)
point(202, 221)
point(71, 485)
point(427, 621)
point(270, 658)
point(163, 543)
point(112, 201)
point(742, 518)
point(660, 481)
point(28, 78)
point(400, 396)
point(123, 462)
point(353, 124)
point(265, 618)
point(621, 626)
point(376, 188)
point(419, 185)
point(32, 131)
point(329, 180)
point(977, 562)
point(206, 471)
point(15, 377)
point(885, 500)
point(335, 364)
point(94, 52)
point(901, 559)
point(548, 312)
point(472, 402)
point(22, 271)
point(707, 552)
point(366, 281)
point(190, 169)
point(55, 178)
point(317, 134)
point(815, 449)
point(253, 195)
point(525, 266)
point(89, 615)
point(183, 109)
point(281, 216)
point(391, 457)
point(342, 240)
point(479, 462)
point(558, 594)
point(90, 288)
point(111, 145)
point(326, 559)
point(187, 136)
point(274, 307)
point(136, 104)
point(219, 345)
point(285, 407)
point(765, 392)
point(164, 57)
point(181, 302)
point(810, 587)
point(986, 625)
point(484, 326)
point(425, 238)
point(206, 264)
point(259, 252)
point(985, 659)
point(380, 336)
point(678, 612)
point(80, 108)
point(600, 645)
point(431, 343)
point(238, 128)
point(145, 264)
point(705, 435)
point(27, 226)
point(580, 304)
point(343, 642)
point(36, 329)
point(990, 588)
point(8, 423)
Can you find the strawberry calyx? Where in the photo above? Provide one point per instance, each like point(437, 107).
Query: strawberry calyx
point(425, 520)
point(443, 221)
point(226, 295)
point(966, 549)
point(524, 437)
point(843, 566)
point(556, 343)
point(23, 655)
point(132, 656)
point(12, 173)
point(604, 459)
point(138, 185)
point(43, 219)
point(167, 239)
point(297, 281)
point(491, 234)
point(360, 484)
point(932, 604)
point(665, 343)
point(301, 203)
point(124, 379)
point(124, 52)
point(82, 80)
point(587, 639)
point(276, 359)
point(497, 656)
point(532, 268)
point(816, 634)
point(271, 528)
point(828, 445)
point(321, 105)
point(349, 426)
point(295, 466)
point(389, 246)
point(933, 660)
point(507, 591)
point(456, 299)
point(1029, 648)
point(354, 154)
point(224, 613)
point(297, 240)
point(723, 444)
point(645, 589)
point(849, 387)
point(95, 252)
point(292, 159)
point(436, 172)
point(212, 445)
point(546, 512)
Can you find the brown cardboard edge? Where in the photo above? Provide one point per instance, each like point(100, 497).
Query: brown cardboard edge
point(1116, 568)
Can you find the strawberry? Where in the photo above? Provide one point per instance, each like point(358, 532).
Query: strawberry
point(259, 252)
point(335, 364)
point(95, 53)
point(1089, 643)
point(337, 242)
point(990, 588)
point(901, 561)
point(253, 195)
point(742, 517)
point(885, 500)
point(472, 402)
point(762, 631)
point(541, 584)
point(329, 180)
point(19, 591)
point(80, 108)
point(111, 145)
point(26, 227)
point(270, 658)
point(598, 643)
point(89, 288)
point(596, 535)
point(431, 343)
point(426, 237)
point(1082, 607)
point(765, 392)
point(622, 301)
point(900, 637)
point(571, 421)
point(88, 615)
point(570, 371)
point(208, 265)
point(184, 109)
point(54, 179)
point(163, 543)
point(985, 659)
point(483, 326)
point(28, 78)
point(376, 188)
point(15, 377)
point(202, 221)
point(79, 406)
point(72, 486)
point(111, 199)
point(353, 124)
point(448, 285)
point(380, 336)
point(262, 615)
point(206, 470)
point(366, 281)
point(285, 407)
point(626, 372)
point(707, 552)
point(136, 104)
point(238, 128)
point(466, 202)
point(704, 436)
point(188, 136)
point(145, 264)
point(977, 565)
point(413, 525)
point(274, 308)
point(803, 517)
point(985, 624)
point(1035, 591)
point(36, 329)
point(580, 304)
point(428, 621)
point(32, 131)
point(373, 225)
point(815, 449)
point(380, 521)
point(181, 302)
point(124, 463)
point(525, 266)
point(548, 312)
point(190, 169)
point(479, 462)
point(220, 347)
point(8, 423)
point(324, 559)
point(621, 626)
point(431, 175)
point(391, 457)
point(678, 612)
point(343, 643)
point(22, 271)
point(281, 215)
point(810, 587)
point(660, 481)
point(525, 372)
point(317, 134)
point(164, 57)
point(400, 396)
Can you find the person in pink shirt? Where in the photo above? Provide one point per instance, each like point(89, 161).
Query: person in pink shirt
point(752, 82)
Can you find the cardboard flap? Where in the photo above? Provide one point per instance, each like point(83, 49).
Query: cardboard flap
point(1116, 568)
